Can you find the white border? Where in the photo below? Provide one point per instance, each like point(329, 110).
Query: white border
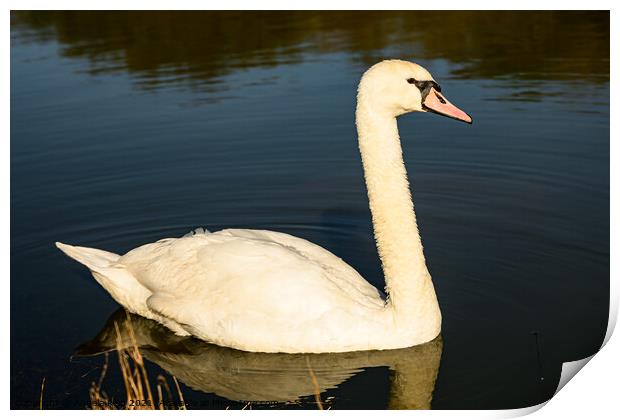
point(592, 395)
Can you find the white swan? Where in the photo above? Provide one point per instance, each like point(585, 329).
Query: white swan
point(266, 291)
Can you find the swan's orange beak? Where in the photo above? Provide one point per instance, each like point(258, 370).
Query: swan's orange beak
point(437, 103)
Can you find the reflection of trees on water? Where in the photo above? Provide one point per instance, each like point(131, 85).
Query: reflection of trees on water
point(197, 47)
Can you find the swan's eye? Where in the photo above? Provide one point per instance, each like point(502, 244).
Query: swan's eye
point(424, 85)
point(419, 84)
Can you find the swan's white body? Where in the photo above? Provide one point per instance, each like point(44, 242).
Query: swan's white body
point(266, 291)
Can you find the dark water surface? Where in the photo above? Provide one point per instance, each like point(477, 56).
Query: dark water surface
point(131, 127)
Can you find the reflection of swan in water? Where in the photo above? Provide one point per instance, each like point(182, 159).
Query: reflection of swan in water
point(245, 376)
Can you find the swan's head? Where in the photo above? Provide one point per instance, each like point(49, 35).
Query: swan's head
point(397, 87)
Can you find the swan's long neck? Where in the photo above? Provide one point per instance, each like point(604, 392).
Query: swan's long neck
point(408, 282)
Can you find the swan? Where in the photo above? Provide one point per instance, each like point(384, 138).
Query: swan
point(265, 291)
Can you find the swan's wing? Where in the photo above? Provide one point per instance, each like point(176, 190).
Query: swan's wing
point(243, 288)
point(314, 252)
point(203, 259)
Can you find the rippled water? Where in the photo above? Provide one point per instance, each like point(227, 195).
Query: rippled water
point(130, 127)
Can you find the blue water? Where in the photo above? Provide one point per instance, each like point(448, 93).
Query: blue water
point(131, 127)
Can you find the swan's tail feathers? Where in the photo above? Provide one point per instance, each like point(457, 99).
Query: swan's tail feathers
point(118, 281)
point(94, 259)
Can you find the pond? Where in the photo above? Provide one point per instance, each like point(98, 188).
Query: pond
point(130, 127)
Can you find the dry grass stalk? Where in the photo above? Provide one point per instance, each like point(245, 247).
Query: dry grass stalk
point(182, 406)
point(315, 383)
point(41, 397)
